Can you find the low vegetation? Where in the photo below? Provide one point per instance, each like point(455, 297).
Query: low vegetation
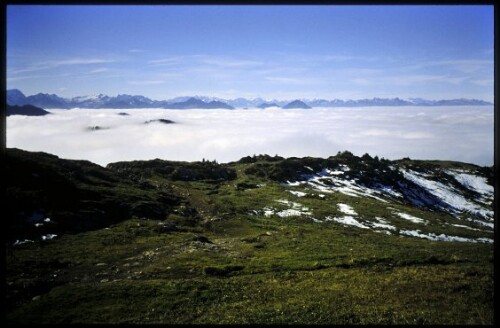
point(209, 243)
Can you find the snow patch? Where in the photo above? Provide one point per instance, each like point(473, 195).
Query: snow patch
point(21, 242)
point(346, 209)
point(477, 183)
point(448, 194)
point(382, 224)
point(292, 212)
point(486, 224)
point(347, 220)
point(443, 237)
point(329, 181)
point(49, 236)
point(295, 209)
point(409, 217)
point(268, 212)
point(297, 193)
point(465, 227)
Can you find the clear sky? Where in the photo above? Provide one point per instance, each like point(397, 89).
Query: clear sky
point(281, 52)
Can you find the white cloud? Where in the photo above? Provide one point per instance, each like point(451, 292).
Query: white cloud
point(289, 80)
point(483, 83)
point(146, 82)
point(423, 78)
point(58, 63)
point(99, 70)
point(227, 135)
point(174, 60)
point(230, 62)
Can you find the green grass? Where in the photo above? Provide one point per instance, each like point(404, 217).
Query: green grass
point(224, 264)
point(301, 273)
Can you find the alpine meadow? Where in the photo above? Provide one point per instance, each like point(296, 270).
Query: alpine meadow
point(249, 164)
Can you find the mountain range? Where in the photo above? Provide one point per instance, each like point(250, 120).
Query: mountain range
point(48, 101)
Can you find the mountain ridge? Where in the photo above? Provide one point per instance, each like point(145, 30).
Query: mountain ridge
point(50, 101)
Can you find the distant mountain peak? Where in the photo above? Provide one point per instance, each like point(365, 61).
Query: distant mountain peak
point(267, 105)
point(45, 100)
point(193, 103)
point(297, 104)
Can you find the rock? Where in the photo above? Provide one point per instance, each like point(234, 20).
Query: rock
point(104, 280)
point(165, 227)
point(250, 239)
point(36, 298)
point(202, 239)
point(101, 264)
point(161, 120)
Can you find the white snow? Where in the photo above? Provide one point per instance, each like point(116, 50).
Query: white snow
point(295, 209)
point(465, 227)
point(335, 172)
point(47, 220)
point(448, 194)
point(297, 193)
point(381, 220)
point(292, 212)
point(344, 167)
point(409, 217)
point(389, 190)
point(49, 236)
point(382, 224)
point(443, 237)
point(346, 209)
point(38, 225)
point(485, 240)
point(347, 220)
point(21, 242)
point(327, 182)
point(268, 212)
point(289, 203)
point(477, 183)
point(487, 224)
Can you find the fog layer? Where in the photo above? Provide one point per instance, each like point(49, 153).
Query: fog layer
point(444, 133)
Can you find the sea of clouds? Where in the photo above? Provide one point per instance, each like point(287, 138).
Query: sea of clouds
point(460, 133)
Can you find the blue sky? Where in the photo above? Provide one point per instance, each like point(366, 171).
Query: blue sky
point(281, 52)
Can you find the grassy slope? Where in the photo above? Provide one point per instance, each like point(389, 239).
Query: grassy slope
point(236, 267)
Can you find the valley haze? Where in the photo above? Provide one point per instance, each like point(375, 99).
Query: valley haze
point(459, 133)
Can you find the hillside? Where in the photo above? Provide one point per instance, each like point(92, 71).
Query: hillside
point(338, 240)
point(26, 110)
